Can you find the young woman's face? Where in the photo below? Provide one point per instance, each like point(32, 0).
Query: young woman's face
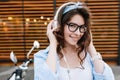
point(72, 30)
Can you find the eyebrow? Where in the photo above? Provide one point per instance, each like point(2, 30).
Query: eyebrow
point(76, 24)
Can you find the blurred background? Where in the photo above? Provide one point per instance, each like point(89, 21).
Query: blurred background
point(24, 21)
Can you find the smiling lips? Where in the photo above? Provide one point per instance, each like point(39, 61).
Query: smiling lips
point(74, 38)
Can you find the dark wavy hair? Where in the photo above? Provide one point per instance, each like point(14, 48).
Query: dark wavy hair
point(62, 19)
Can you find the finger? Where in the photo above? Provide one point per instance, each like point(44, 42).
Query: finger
point(55, 24)
point(50, 25)
point(50, 28)
point(91, 36)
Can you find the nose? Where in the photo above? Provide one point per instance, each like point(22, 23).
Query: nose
point(77, 32)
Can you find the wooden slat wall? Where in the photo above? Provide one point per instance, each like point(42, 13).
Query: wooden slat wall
point(105, 27)
point(20, 26)
point(11, 29)
point(18, 36)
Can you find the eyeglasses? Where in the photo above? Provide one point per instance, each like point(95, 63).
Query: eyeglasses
point(73, 27)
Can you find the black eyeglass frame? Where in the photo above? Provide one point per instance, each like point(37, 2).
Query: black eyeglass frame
point(81, 26)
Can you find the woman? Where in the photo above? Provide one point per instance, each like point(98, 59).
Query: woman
point(71, 54)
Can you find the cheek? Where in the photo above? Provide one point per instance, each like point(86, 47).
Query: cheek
point(66, 31)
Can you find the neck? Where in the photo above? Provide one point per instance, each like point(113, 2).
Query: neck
point(71, 51)
point(70, 58)
point(70, 48)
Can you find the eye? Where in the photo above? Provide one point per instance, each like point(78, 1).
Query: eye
point(83, 28)
point(72, 25)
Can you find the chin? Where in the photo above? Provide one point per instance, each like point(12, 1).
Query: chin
point(74, 44)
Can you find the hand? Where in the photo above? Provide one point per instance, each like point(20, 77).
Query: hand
point(96, 59)
point(51, 58)
point(50, 29)
point(91, 48)
point(91, 38)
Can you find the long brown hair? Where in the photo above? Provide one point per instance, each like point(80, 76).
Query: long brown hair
point(62, 19)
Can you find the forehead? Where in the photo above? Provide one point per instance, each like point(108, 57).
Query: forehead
point(78, 19)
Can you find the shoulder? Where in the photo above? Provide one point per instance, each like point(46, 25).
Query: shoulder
point(42, 53)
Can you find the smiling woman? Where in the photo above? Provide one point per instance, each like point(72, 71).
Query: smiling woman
point(24, 29)
point(71, 54)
